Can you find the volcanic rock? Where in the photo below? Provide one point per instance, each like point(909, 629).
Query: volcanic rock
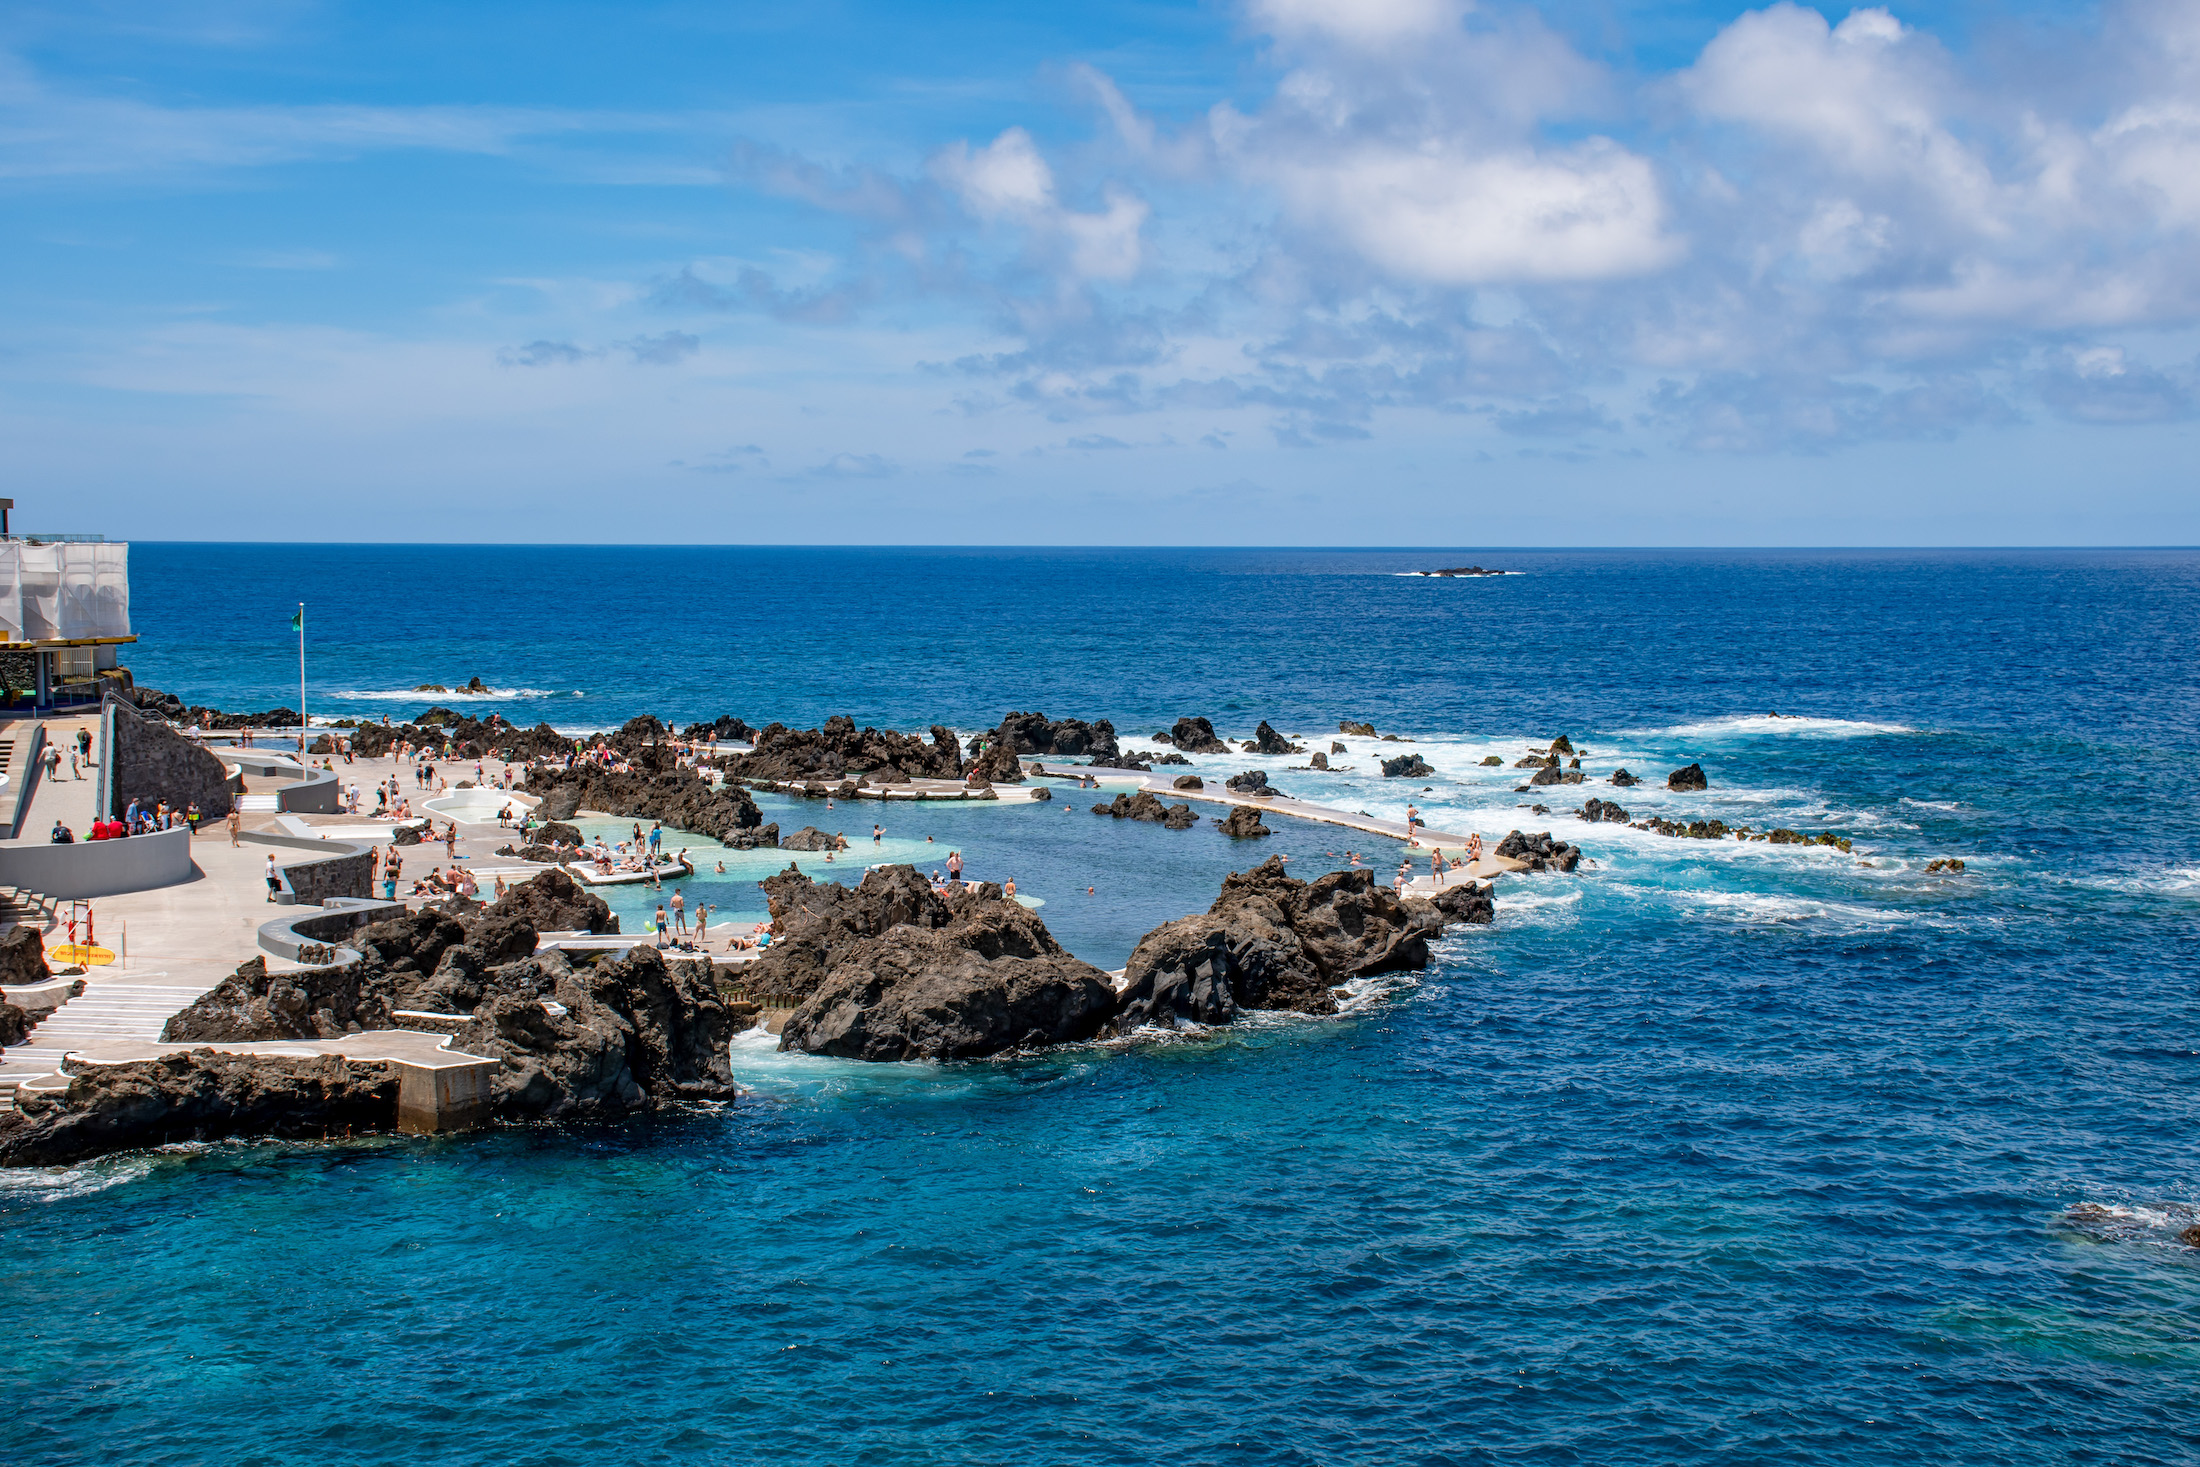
point(1273, 942)
point(725, 728)
point(893, 971)
point(1691, 778)
point(193, 1096)
point(1267, 741)
point(1364, 730)
point(1035, 733)
point(1251, 782)
point(1562, 745)
point(1336, 748)
point(551, 901)
point(1623, 779)
point(1197, 736)
point(680, 798)
point(810, 838)
point(1464, 901)
point(22, 957)
point(831, 753)
point(1602, 811)
point(1243, 823)
point(1540, 852)
point(1318, 761)
point(1189, 782)
point(1412, 765)
point(1493, 761)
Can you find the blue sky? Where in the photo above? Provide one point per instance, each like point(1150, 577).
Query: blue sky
point(1269, 272)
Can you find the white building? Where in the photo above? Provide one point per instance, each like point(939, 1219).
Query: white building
point(64, 612)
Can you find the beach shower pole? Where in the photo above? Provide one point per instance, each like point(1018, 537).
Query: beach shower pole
point(300, 623)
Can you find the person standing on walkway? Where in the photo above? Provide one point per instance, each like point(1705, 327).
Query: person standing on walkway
point(235, 822)
point(679, 911)
point(191, 817)
point(274, 881)
point(1436, 866)
point(53, 761)
point(662, 926)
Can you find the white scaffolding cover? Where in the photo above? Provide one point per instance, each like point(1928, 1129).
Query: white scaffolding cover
point(64, 592)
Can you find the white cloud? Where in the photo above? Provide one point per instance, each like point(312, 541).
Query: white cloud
point(1591, 212)
point(1007, 181)
point(1366, 23)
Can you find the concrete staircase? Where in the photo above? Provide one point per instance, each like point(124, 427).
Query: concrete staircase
point(257, 804)
point(103, 1013)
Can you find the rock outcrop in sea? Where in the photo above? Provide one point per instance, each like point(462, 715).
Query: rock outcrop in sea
point(892, 970)
point(1690, 778)
point(1539, 852)
point(1597, 810)
point(1623, 779)
point(1252, 782)
point(1267, 741)
point(1271, 941)
point(1036, 734)
point(1364, 730)
point(1407, 766)
point(1242, 823)
point(839, 750)
point(1145, 805)
point(1195, 736)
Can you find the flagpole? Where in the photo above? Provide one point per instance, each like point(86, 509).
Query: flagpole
point(302, 720)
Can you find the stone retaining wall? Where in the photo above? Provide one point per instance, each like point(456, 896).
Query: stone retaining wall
point(144, 759)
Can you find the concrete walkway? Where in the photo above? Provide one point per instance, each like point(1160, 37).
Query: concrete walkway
point(1131, 781)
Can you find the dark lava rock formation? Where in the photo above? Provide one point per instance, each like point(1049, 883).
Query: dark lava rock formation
point(1602, 810)
point(891, 970)
point(1691, 778)
point(678, 797)
point(1195, 736)
point(1318, 761)
point(840, 750)
point(1189, 782)
point(1243, 823)
point(1623, 779)
point(1252, 782)
point(199, 1095)
point(596, 1035)
point(1364, 730)
point(1035, 733)
point(1405, 765)
point(1147, 806)
point(725, 728)
point(1273, 942)
point(1540, 852)
point(1267, 741)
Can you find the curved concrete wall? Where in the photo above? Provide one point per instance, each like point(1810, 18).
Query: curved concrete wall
point(317, 791)
point(327, 925)
point(97, 868)
point(337, 868)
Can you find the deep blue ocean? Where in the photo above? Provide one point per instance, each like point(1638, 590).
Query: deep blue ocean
point(1710, 1152)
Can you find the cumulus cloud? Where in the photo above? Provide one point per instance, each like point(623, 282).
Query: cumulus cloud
point(1007, 181)
point(1815, 233)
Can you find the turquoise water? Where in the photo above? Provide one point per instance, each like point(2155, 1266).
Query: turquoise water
point(1712, 1152)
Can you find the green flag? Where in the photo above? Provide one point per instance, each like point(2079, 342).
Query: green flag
point(298, 620)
